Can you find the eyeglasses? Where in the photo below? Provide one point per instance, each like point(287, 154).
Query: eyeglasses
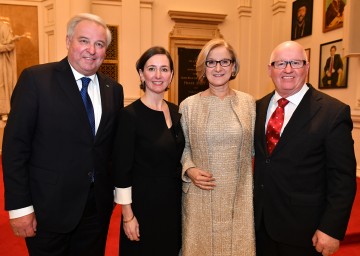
point(223, 63)
point(282, 64)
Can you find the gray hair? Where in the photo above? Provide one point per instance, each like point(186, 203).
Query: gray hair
point(91, 17)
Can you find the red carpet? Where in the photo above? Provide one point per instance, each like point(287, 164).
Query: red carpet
point(11, 245)
point(350, 246)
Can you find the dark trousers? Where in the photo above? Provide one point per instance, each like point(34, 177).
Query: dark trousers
point(266, 246)
point(330, 81)
point(87, 239)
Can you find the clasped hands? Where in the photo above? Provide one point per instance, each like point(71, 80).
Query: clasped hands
point(202, 179)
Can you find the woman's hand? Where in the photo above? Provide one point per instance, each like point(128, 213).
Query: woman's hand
point(201, 179)
point(131, 228)
point(130, 223)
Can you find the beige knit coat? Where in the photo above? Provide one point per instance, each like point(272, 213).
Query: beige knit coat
point(196, 206)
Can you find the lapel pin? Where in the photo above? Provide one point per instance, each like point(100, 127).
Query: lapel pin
point(107, 86)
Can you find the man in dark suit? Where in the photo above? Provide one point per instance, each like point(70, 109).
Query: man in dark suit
point(56, 158)
point(304, 189)
point(333, 69)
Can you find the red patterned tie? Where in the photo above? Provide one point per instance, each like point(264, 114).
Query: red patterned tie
point(331, 65)
point(274, 125)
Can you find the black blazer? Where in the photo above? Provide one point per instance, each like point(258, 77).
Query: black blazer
point(49, 149)
point(309, 181)
point(337, 63)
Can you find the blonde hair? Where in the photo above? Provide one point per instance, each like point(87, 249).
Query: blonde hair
point(202, 57)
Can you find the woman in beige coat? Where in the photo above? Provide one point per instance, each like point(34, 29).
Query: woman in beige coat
point(218, 124)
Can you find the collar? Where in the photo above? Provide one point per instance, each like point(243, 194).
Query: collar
point(78, 75)
point(295, 98)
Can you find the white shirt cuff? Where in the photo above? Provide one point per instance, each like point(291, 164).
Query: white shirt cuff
point(123, 195)
point(21, 212)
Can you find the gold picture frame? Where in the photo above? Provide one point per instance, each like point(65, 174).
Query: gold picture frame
point(308, 51)
point(333, 68)
point(333, 14)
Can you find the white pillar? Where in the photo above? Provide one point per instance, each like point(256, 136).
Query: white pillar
point(130, 47)
point(79, 6)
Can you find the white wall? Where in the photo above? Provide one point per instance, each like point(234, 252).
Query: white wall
point(253, 27)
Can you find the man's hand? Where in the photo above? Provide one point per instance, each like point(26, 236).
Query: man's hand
point(24, 226)
point(324, 243)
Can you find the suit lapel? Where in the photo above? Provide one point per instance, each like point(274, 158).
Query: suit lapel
point(261, 112)
point(66, 80)
point(106, 94)
point(307, 109)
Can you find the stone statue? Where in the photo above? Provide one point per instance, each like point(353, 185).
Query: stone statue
point(8, 74)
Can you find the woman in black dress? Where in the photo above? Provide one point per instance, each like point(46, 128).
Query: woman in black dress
point(148, 148)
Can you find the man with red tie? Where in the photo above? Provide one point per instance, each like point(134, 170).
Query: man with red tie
point(333, 69)
point(305, 167)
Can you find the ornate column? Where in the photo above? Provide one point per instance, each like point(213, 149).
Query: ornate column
point(79, 6)
point(246, 48)
point(279, 19)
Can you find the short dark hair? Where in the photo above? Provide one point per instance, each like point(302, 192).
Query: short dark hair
point(140, 64)
point(302, 3)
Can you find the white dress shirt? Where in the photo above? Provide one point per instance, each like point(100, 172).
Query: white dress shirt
point(294, 101)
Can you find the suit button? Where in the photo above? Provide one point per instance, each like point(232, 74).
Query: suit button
point(267, 161)
point(262, 186)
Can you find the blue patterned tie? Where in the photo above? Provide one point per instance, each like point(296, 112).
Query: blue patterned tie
point(87, 102)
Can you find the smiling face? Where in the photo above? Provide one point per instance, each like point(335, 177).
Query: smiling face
point(288, 81)
point(87, 47)
point(157, 74)
point(218, 75)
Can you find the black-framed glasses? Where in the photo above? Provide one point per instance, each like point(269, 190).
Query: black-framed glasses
point(282, 64)
point(223, 63)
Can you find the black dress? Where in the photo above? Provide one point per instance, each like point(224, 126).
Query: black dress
point(147, 158)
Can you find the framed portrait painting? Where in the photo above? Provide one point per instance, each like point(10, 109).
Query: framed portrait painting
point(307, 51)
point(333, 14)
point(333, 66)
point(302, 16)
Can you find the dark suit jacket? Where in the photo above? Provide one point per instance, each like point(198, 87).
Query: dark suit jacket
point(309, 181)
point(337, 63)
point(49, 149)
point(296, 31)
